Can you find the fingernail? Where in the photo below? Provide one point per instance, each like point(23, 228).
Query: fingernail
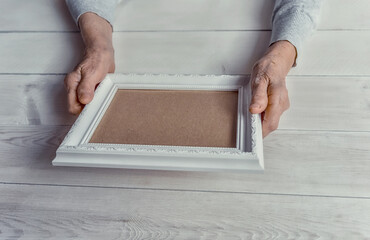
point(255, 105)
point(84, 98)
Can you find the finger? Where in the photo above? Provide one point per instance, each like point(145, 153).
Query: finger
point(71, 82)
point(89, 79)
point(278, 103)
point(271, 119)
point(259, 95)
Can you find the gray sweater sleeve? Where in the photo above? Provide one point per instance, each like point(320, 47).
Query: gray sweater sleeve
point(294, 20)
point(103, 8)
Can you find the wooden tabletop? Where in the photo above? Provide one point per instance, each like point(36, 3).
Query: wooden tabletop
point(317, 178)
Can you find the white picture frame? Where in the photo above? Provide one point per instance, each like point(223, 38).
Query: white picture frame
point(75, 150)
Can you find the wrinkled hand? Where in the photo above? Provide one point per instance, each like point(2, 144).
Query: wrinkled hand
point(82, 81)
point(98, 60)
point(269, 92)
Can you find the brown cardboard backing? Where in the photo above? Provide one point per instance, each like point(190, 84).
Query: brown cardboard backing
point(170, 117)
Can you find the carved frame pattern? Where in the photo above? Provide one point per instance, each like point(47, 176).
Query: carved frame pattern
point(75, 150)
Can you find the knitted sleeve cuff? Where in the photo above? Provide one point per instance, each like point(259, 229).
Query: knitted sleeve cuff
point(103, 8)
point(294, 21)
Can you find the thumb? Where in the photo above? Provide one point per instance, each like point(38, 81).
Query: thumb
point(85, 91)
point(87, 87)
point(259, 95)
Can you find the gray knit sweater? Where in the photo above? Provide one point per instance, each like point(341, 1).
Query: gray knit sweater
point(292, 20)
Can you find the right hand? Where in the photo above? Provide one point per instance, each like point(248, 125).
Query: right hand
point(82, 81)
point(269, 92)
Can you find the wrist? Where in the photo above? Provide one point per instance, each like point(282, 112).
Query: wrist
point(103, 48)
point(103, 53)
point(96, 32)
point(284, 52)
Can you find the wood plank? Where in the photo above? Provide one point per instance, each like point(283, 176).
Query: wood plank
point(296, 162)
point(167, 15)
point(34, 100)
point(40, 52)
point(185, 52)
point(337, 14)
point(317, 103)
point(328, 103)
point(331, 53)
point(38, 212)
point(36, 15)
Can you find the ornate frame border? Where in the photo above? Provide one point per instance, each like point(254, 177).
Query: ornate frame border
point(75, 150)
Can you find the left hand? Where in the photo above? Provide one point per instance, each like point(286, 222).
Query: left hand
point(98, 60)
point(269, 92)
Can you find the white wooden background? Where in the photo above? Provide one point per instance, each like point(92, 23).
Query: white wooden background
point(317, 179)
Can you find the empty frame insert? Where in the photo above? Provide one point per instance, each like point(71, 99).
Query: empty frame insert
point(170, 117)
point(168, 122)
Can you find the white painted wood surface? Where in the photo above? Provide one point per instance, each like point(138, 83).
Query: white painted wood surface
point(310, 172)
point(324, 138)
point(58, 212)
point(41, 100)
point(182, 15)
point(230, 52)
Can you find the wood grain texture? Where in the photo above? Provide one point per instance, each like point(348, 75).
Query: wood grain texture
point(304, 162)
point(38, 212)
point(344, 52)
point(36, 15)
point(328, 103)
point(167, 15)
point(48, 52)
point(316, 183)
point(34, 100)
point(317, 103)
